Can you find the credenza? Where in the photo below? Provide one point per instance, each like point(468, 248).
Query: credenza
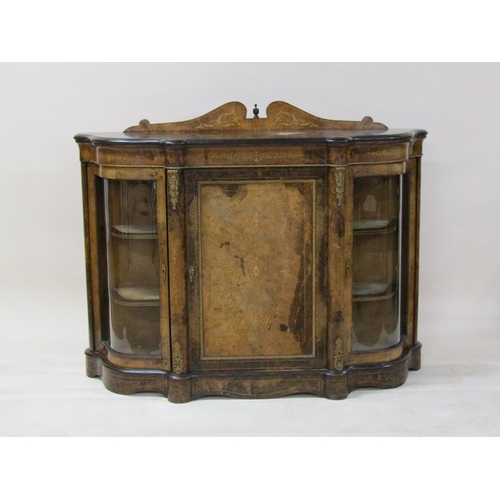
point(252, 257)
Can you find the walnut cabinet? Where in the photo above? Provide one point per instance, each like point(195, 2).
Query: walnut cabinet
point(252, 257)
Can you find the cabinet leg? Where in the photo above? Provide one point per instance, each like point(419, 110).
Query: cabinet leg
point(336, 386)
point(93, 365)
point(179, 389)
point(415, 357)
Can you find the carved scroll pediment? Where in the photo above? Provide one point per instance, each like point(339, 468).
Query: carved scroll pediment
point(281, 116)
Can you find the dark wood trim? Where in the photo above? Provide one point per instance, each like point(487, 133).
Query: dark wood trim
point(231, 139)
point(411, 252)
point(88, 266)
point(418, 173)
point(253, 384)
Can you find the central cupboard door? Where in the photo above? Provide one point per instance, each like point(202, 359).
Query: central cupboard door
point(256, 267)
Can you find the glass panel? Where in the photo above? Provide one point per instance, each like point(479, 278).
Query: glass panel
point(376, 262)
point(132, 266)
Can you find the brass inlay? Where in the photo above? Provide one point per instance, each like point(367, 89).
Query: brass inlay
point(340, 185)
point(284, 119)
point(255, 156)
point(173, 187)
point(275, 165)
point(191, 274)
point(223, 156)
point(338, 361)
point(200, 263)
point(225, 120)
point(177, 360)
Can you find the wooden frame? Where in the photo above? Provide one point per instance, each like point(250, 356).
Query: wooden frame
point(98, 263)
point(285, 178)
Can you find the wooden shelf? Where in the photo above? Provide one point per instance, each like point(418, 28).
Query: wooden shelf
point(365, 292)
point(133, 232)
point(380, 226)
point(381, 344)
point(137, 296)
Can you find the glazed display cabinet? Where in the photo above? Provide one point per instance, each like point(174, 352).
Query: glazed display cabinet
point(252, 257)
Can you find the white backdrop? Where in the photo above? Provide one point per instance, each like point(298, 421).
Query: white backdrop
point(43, 329)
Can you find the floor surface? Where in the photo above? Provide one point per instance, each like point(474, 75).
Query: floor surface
point(44, 390)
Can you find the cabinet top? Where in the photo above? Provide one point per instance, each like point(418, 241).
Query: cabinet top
point(229, 124)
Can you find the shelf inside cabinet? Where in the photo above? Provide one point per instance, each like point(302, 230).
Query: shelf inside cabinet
point(381, 344)
point(377, 226)
point(137, 296)
point(364, 292)
point(134, 232)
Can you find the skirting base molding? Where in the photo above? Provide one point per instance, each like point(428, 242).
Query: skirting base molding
point(253, 384)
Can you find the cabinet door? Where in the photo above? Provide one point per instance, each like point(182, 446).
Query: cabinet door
point(255, 268)
point(129, 275)
point(378, 230)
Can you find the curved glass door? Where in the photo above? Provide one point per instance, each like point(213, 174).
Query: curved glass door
point(132, 266)
point(376, 262)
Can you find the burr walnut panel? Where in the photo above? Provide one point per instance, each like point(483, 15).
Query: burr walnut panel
point(256, 292)
point(281, 116)
point(254, 298)
point(258, 156)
